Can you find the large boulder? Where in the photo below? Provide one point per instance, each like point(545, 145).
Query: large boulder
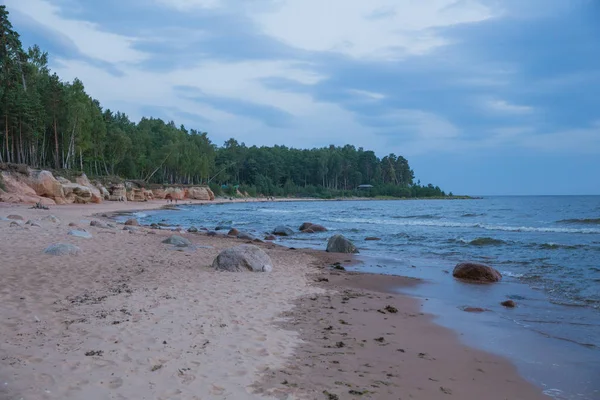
point(174, 193)
point(474, 272)
point(177, 241)
point(304, 226)
point(62, 249)
point(46, 185)
point(339, 244)
point(79, 194)
point(246, 257)
point(18, 190)
point(283, 230)
point(200, 193)
point(246, 236)
point(83, 180)
point(118, 192)
point(132, 222)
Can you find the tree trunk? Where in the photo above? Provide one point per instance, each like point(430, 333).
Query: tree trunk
point(56, 158)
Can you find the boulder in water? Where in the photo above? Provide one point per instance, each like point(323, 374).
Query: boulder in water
point(132, 222)
point(270, 237)
point(233, 232)
point(177, 241)
point(372, 238)
point(80, 234)
point(509, 304)
point(192, 229)
point(474, 272)
point(246, 257)
point(317, 228)
point(304, 226)
point(62, 249)
point(283, 230)
point(339, 244)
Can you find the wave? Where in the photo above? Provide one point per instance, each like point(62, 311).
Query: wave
point(583, 221)
point(473, 215)
point(270, 210)
point(557, 246)
point(423, 216)
point(486, 241)
point(512, 275)
point(449, 224)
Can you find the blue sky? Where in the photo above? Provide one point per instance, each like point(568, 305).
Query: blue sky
point(481, 96)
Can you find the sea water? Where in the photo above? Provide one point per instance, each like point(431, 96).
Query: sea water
point(547, 249)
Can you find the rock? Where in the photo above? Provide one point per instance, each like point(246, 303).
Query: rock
point(61, 249)
point(80, 234)
point(51, 218)
point(509, 304)
point(15, 224)
point(282, 230)
point(304, 226)
point(46, 185)
point(35, 224)
point(474, 309)
point(96, 195)
point(245, 236)
point(174, 193)
point(131, 228)
point(270, 237)
point(17, 189)
point(15, 217)
point(192, 229)
point(211, 233)
point(177, 241)
point(200, 193)
point(233, 232)
point(339, 244)
point(73, 224)
point(79, 194)
point(372, 238)
point(132, 222)
point(163, 224)
point(99, 224)
point(246, 257)
point(475, 272)
point(118, 192)
point(318, 228)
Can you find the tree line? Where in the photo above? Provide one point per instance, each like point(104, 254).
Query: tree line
point(50, 123)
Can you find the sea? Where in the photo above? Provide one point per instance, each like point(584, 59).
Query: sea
point(546, 247)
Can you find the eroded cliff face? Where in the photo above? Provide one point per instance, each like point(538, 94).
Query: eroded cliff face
point(19, 184)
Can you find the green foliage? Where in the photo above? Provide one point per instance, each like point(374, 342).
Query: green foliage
point(54, 124)
point(2, 184)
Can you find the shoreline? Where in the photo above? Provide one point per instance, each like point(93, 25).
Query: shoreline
point(133, 270)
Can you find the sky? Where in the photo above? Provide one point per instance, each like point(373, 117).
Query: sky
point(483, 97)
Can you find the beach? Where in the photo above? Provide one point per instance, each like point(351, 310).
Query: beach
point(133, 318)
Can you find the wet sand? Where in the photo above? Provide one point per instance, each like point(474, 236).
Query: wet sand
point(133, 318)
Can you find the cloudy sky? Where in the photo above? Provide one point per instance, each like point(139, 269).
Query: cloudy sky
point(482, 96)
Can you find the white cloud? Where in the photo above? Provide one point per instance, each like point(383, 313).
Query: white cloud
point(185, 5)
point(372, 96)
point(89, 39)
point(381, 29)
point(503, 106)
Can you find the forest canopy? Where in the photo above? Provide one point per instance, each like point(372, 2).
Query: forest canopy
point(50, 123)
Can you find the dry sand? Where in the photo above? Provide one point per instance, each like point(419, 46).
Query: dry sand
point(132, 318)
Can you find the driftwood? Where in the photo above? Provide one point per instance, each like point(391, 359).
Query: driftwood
point(40, 206)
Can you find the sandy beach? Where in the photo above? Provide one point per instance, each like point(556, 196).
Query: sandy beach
point(133, 318)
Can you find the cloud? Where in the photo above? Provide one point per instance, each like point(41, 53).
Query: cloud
point(504, 106)
point(379, 29)
point(184, 5)
point(85, 36)
point(412, 77)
